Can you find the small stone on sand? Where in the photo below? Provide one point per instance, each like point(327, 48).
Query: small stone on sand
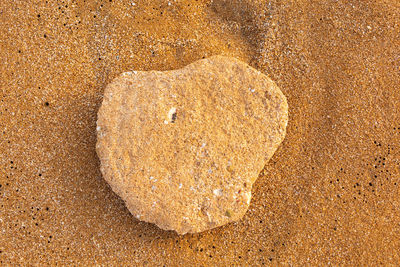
point(205, 131)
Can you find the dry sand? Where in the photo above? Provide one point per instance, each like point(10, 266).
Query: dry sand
point(330, 194)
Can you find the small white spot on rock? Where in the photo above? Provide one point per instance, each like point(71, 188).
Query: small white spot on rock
point(153, 187)
point(203, 145)
point(209, 171)
point(248, 197)
point(165, 122)
point(171, 111)
point(151, 178)
point(252, 89)
point(180, 186)
point(172, 115)
point(98, 128)
point(217, 192)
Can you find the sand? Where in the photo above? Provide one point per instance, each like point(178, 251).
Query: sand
point(330, 194)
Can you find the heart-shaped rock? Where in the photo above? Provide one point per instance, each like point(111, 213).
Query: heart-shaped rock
point(183, 147)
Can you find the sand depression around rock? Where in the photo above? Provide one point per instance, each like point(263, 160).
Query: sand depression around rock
point(183, 147)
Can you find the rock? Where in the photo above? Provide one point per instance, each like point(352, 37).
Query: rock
point(183, 147)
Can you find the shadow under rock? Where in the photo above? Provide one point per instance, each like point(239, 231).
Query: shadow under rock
point(243, 13)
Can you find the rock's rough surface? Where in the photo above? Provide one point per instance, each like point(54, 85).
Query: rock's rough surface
point(183, 147)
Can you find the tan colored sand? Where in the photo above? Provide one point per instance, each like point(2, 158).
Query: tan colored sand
point(329, 195)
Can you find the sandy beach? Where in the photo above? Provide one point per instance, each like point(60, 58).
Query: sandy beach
point(329, 195)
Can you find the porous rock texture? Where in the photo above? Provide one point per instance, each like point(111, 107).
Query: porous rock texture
point(183, 147)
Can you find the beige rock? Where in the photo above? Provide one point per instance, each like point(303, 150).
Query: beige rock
point(183, 147)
